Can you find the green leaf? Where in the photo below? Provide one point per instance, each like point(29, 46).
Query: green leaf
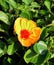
point(52, 56)
point(10, 50)
point(40, 22)
point(51, 42)
point(1, 52)
point(40, 47)
point(35, 5)
point(26, 14)
point(3, 48)
point(43, 58)
point(53, 22)
point(27, 1)
point(30, 56)
point(4, 5)
point(51, 29)
point(2, 29)
point(43, 12)
point(47, 4)
point(0, 1)
point(4, 17)
point(8, 61)
point(12, 3)
point(12, 47)
point(44, 33)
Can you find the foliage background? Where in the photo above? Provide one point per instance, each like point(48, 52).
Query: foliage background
point(11, 52)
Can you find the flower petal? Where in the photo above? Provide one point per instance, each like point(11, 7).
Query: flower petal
point(24, 23)
point(31, 24)
point(36, 34)
point(24, 42)
point(17, 25)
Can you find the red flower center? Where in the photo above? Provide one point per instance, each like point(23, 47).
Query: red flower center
point(24, 34)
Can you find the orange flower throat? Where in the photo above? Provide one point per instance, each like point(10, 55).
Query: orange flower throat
point(24, 34)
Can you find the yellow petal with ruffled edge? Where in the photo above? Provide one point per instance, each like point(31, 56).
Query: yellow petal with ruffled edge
point(30, 25)
point(17, 25)
point(35, 34)
point(24, 22)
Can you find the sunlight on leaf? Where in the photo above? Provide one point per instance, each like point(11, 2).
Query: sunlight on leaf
point(4, 17)
point(47, 4)
point(40, 47)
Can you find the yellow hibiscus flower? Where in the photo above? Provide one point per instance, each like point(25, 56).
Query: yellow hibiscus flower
point(27, 31)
